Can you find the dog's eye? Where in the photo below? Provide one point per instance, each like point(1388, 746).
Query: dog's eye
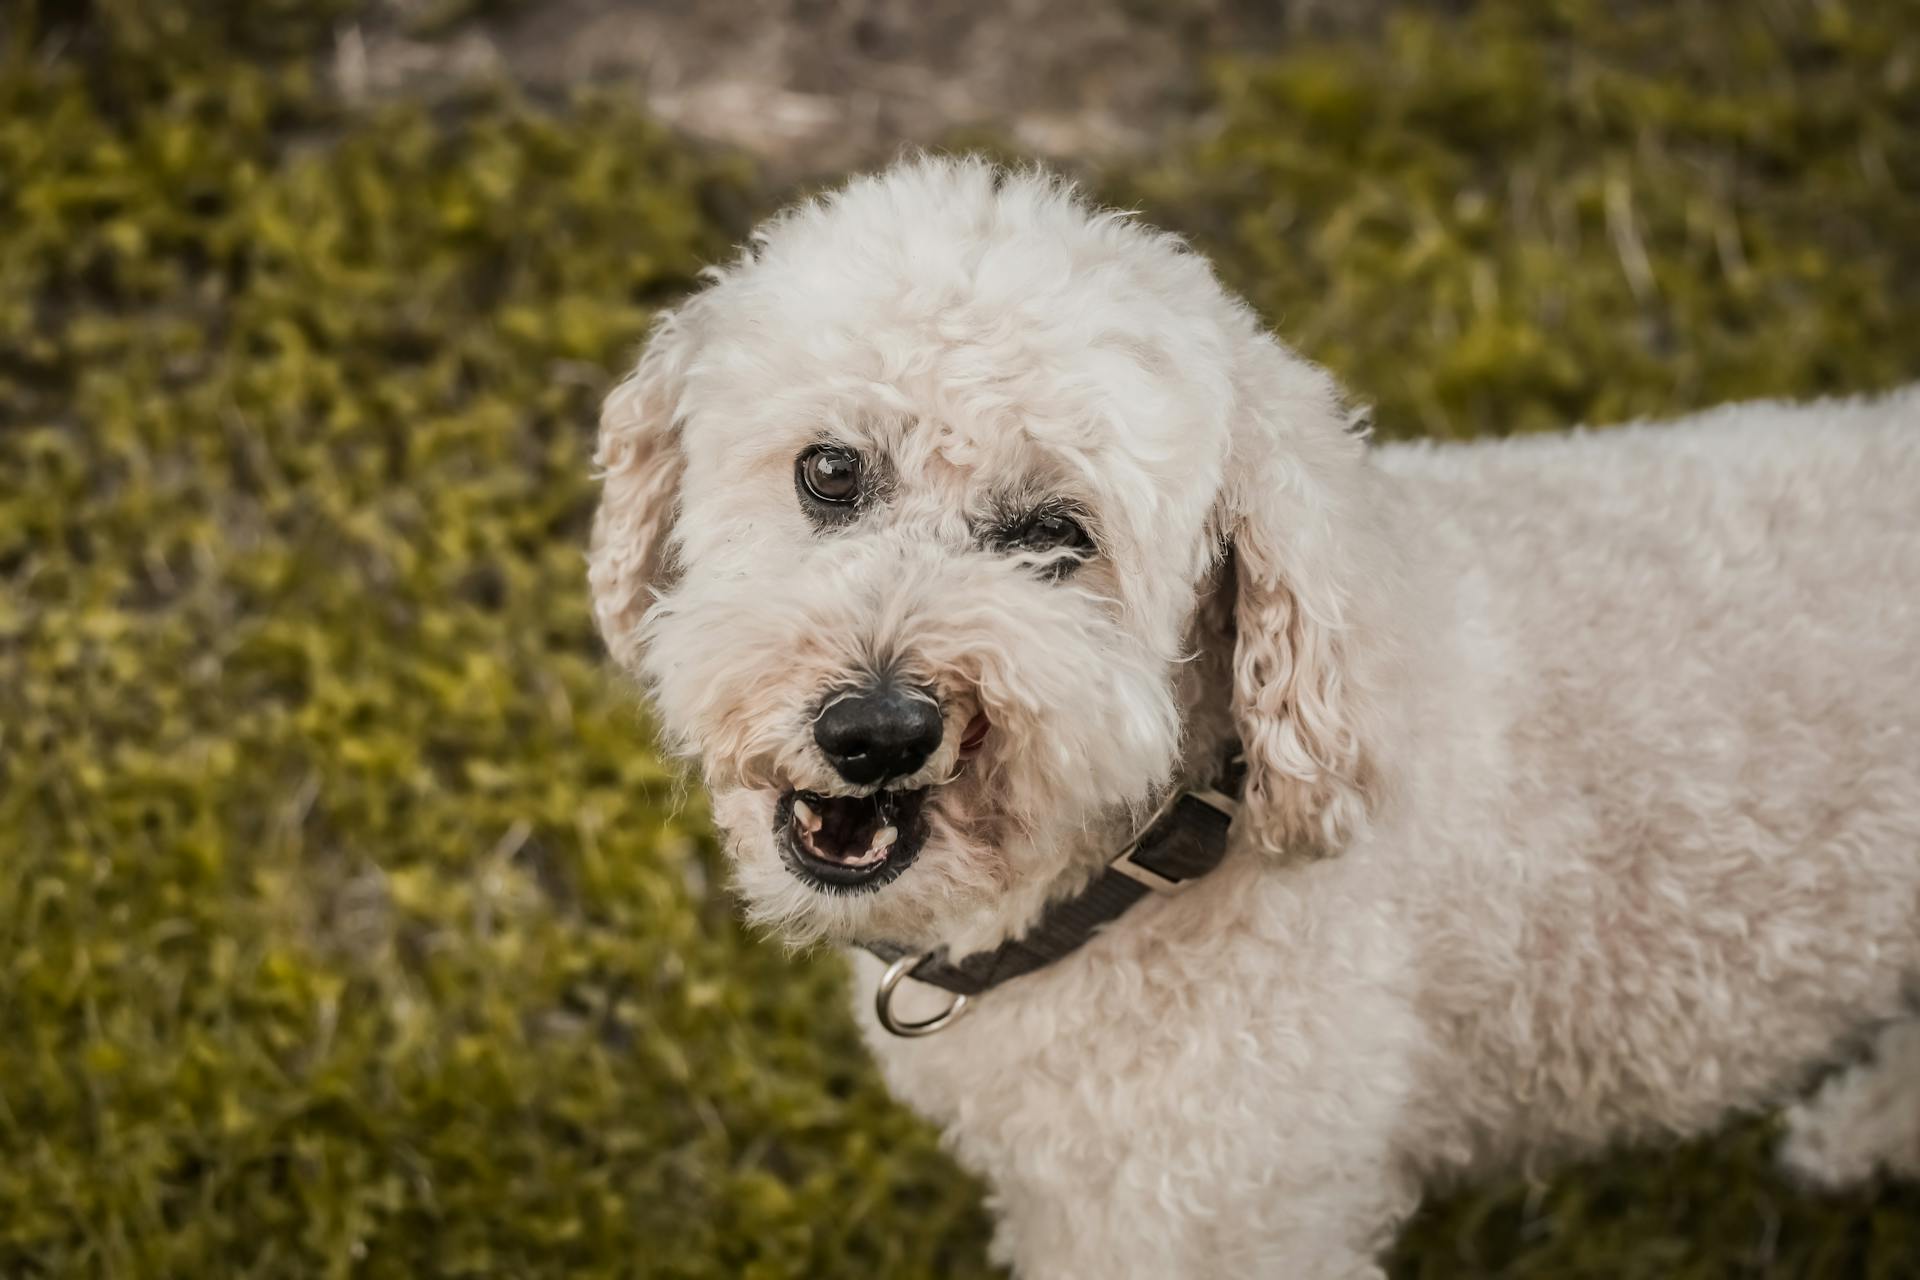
point(829, 473)
point(1053, 531)
point(1049, 535)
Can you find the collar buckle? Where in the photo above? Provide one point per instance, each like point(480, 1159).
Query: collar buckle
point(1129, 867)
point(1128, 863)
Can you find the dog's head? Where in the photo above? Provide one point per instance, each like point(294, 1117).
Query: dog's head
point(912, 524)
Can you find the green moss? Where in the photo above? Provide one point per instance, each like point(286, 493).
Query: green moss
point(351, 926)
point(1544, 213)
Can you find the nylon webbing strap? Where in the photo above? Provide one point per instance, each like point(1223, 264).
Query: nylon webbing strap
point(1186, 841)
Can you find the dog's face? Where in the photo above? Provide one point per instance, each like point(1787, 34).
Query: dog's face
point(906, 522)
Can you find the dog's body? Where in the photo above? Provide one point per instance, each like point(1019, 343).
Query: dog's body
point(1655, 868)
point(1584, 790)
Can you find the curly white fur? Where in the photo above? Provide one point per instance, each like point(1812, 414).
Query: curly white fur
point(1584, 794)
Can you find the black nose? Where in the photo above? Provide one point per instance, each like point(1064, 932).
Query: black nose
point(876, 733)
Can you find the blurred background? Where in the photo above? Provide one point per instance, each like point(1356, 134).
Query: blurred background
point(349, 923)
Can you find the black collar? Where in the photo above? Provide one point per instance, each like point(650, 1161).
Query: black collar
point(1185, 839)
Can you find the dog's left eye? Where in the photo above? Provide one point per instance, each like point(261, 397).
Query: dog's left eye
point(1058, 542)
point(1053, 531)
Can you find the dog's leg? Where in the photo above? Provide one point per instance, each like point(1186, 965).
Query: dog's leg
point(1323, 1210)
point(1864, 1121)
point(1305, 1234)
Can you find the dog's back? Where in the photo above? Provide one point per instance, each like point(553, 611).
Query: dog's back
point(1696, 651)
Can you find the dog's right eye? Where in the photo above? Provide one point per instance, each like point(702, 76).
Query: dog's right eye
point(829, 474)
point(1050, 534)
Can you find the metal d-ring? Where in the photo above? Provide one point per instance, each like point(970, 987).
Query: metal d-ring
point(883, 1002)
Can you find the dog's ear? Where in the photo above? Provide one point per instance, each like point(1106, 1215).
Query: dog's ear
point(1305, 551)
point(639, 460)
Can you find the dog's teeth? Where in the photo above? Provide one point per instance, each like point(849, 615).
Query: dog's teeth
point(883, 839)
point(808, 818)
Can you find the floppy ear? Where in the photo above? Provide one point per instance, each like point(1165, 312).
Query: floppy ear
point(1306, 551)
point(638, 457)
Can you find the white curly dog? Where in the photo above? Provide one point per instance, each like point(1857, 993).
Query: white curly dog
point(957, 527)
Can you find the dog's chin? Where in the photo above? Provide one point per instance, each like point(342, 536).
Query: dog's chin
point(850, 844)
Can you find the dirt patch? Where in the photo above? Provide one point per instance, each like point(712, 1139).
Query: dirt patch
point(815, 86)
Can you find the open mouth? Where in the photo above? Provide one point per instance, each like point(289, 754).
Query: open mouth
point(850, 843)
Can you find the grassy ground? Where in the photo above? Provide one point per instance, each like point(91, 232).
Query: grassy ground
point(349, 926)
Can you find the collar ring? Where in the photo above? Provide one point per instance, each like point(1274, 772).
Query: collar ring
point(883, 1001)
